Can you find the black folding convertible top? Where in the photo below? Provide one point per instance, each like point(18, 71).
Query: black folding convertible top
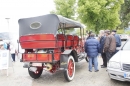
point(45, 24)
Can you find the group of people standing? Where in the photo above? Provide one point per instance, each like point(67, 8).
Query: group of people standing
point(105, 45)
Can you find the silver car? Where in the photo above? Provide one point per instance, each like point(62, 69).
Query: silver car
point(119, 65)
point(124, 37)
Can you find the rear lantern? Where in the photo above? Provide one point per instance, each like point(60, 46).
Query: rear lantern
point(29, 57)
point(44, 57)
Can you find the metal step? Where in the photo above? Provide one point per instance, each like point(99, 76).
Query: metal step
point(79, 59)
point(81, 56)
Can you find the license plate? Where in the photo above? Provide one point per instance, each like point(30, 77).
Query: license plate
point(36, 64)
point(126, 75)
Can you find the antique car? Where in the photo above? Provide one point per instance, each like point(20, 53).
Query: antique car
point(47, 45)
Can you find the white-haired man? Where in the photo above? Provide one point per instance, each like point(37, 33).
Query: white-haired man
point(102, 41)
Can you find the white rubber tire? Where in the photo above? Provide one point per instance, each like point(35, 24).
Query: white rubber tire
point(66, 74)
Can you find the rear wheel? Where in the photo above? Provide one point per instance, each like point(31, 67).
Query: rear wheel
point(70, 72)
point(36, 74)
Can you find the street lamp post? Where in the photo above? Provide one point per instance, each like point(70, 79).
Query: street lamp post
point(8, 26)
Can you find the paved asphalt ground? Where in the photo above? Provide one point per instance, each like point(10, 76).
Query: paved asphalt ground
point(83, 77)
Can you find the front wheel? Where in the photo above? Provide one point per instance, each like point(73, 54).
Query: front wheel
point(70, 71)
point(36, 74)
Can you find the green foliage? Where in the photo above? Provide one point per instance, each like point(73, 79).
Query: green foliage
point(120, 31)
point(99, 14)
point(125, 14)
point(123, 32)
point(127, 32)
point(65, 8)
point(78, 32)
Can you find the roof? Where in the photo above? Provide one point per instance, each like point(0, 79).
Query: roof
point(46, 24)
point(69, 22)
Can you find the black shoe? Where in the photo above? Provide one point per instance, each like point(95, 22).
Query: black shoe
point(90, 71)
point(96, 70)
point(103, 66)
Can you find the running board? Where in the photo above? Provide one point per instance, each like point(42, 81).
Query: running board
point(81, 56)
point(79, 59)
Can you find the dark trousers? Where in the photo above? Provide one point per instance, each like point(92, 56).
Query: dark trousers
point(104, 58)
point(13, 57)
point(115, 52)
point(109, 55)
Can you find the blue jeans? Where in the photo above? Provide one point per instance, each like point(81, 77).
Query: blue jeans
point(95, 63)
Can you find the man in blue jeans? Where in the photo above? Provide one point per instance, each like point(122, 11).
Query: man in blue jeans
point(92, 48)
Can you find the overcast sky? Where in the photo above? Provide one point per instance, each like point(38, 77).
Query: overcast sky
point(16, 9)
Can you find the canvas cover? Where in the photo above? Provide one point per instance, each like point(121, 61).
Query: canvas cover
point(46, 24)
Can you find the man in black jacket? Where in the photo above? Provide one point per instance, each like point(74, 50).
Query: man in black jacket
point(101, 41)
point(118, 40)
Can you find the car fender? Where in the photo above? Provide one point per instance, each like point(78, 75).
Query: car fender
point(64, 58)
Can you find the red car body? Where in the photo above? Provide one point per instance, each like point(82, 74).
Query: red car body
point(44, 49)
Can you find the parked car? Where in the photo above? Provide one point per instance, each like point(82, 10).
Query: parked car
point(119, 65)
point(124, 37)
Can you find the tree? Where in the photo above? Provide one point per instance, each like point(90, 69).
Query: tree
point(121, 31)
point(125, 14)
point(65, 8)
point(99, 14)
